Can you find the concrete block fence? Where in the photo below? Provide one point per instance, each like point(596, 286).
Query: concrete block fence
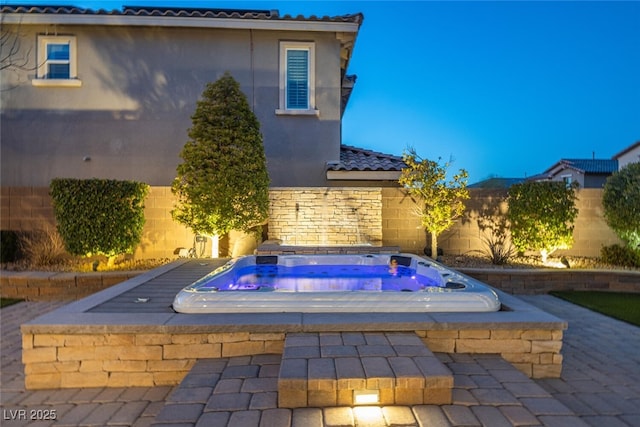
point(321, 216)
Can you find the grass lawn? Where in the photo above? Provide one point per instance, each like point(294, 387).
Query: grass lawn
point(621, 306)
point(8, 301)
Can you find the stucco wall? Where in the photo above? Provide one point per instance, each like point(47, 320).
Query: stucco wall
point(139, 89)
point(632, 156)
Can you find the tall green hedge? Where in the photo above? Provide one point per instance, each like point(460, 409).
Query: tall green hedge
point(99, 216)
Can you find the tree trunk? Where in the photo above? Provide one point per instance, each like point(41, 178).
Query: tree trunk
point(434, 246)
point(215, 246)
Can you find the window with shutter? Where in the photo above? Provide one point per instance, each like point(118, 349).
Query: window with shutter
point(297, 79)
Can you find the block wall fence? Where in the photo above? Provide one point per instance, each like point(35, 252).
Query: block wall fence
point(317, 216)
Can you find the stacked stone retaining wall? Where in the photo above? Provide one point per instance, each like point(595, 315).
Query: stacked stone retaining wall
point(43, 286)
point(543, 281)
point(48, 286)
point(61, 360)
point(64, 360)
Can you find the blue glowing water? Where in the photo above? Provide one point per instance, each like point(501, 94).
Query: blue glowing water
point(318, 278)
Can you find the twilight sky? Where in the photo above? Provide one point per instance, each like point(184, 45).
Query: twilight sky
point(501, 88)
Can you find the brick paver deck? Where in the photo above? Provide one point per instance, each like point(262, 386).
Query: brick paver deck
point(330, 369)
point(600, 385)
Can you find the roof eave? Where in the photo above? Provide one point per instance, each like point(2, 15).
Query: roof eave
point(176, 21)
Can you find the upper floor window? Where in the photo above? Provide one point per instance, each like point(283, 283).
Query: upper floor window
point(57, 64)
point(297, 78)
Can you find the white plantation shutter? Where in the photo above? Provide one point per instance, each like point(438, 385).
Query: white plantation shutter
point(297, 96)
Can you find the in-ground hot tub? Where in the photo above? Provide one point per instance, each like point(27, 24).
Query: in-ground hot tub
point(335, 283)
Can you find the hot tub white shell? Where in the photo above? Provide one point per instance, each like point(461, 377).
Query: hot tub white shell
point(474, 297)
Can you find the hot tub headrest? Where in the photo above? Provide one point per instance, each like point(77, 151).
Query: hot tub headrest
point(401, 260)
point(267, 259)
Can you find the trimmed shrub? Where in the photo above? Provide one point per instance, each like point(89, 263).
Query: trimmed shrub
point(99, 216)
point(623, 256)
point(9, 246)
point(542, 216)
point(621, 202)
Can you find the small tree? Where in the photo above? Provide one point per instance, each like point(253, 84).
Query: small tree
point(621, 202)
point(542, 215)
point(439, 202)
point(222, 183)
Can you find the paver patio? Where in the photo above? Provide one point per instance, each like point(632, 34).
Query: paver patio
point(600, 385)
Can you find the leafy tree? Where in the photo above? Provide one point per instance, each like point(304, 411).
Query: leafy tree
point(621, 201)
point(222, 183)
point(439, 202)
point(542, 216)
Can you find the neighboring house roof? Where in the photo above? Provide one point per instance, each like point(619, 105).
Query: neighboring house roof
point(626, 150)
point(497, 183)
point(590, 166)
point(539, 177)
point(361, 164)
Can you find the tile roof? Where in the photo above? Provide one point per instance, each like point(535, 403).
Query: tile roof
point(360, 159)
point(184, 12)
point(497, 183)
point(605, 166)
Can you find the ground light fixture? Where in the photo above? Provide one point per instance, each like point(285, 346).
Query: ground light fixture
point(366, 397)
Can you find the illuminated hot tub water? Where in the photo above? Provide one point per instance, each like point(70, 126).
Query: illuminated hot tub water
point(335, 283)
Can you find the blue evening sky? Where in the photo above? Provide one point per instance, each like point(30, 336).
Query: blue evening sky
point(501, 88)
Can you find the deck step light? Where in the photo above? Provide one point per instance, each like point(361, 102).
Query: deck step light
point(366, 397)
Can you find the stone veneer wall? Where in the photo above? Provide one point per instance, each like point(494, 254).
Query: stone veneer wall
point(130, 359)
point(49, 286)
point(325, 216)
point(543, 281)
point(536, 352)
point(151, 359)
point(43, 286)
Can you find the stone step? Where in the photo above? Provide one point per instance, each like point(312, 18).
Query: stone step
point(353, 368)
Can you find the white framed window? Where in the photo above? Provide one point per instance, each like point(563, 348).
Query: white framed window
point(567, 179)
point(57, 62)
point(297, 79)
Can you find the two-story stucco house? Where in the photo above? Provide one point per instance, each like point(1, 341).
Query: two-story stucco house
point(109, 94)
